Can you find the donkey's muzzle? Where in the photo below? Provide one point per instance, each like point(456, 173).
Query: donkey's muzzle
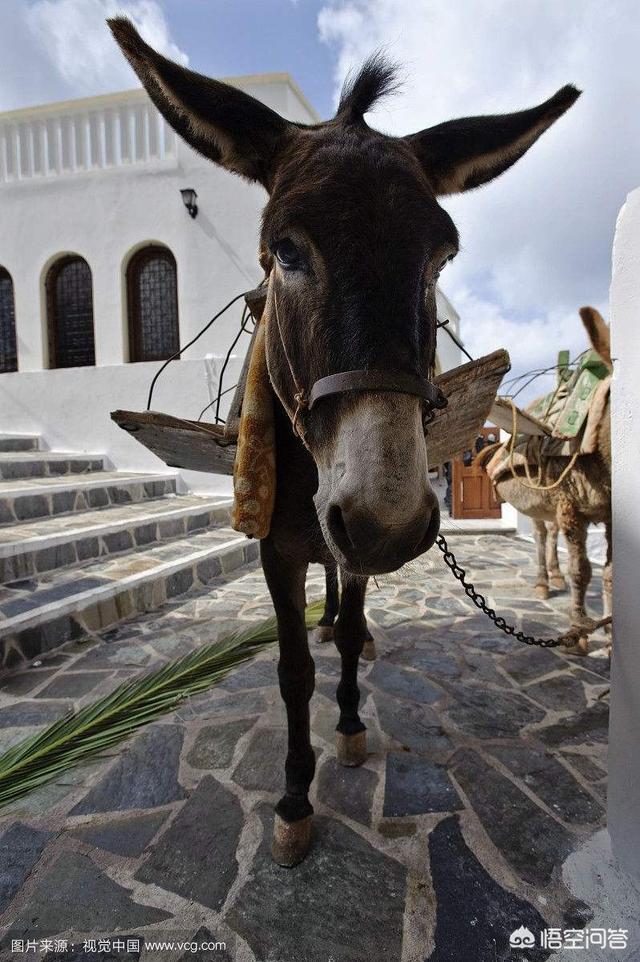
point(365, 546)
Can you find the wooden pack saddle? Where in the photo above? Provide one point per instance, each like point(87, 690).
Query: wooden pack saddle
point(563, 423)
point(202, 446)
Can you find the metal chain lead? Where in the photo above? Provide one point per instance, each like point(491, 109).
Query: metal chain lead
point(480, 602)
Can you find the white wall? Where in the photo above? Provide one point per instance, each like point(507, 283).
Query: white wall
point(624, 754)
point(101, 177)
point(104, 196)
point(449, 354)
point(71, 409)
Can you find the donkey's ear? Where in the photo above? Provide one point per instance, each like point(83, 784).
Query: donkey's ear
point(466, 153)
point(221, 122)
point(598, 331)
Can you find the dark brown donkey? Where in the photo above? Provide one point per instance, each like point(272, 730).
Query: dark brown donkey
point(353, 240)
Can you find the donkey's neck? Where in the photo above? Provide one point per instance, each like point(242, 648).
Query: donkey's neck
point(295, 526)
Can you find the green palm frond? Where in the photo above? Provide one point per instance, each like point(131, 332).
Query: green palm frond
point(98, 726)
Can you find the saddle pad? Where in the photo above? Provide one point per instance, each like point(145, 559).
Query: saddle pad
point(254, 473)
point(571, 419)
point(597, 408)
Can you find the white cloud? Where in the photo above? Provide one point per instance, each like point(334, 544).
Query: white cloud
point(533, 344)
point(52, 49)
point(536, 244)
point(74, 36)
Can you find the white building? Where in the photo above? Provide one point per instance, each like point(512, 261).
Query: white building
point(103, 271)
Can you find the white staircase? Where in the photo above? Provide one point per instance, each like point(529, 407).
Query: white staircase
point(82, 548)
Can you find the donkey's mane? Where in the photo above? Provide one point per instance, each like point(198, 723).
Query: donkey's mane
point(377, 78)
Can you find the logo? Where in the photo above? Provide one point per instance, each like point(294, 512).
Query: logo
point(522, 939)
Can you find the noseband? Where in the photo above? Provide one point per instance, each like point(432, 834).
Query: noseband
point(389, 382)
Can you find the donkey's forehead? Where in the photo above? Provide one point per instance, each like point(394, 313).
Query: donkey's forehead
point(339, 180)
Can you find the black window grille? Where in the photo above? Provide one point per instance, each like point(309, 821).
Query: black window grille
point(8, 344)
point(152, 305)
point(70, 314)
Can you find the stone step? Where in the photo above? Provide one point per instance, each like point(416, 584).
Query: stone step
point(36, 616)
point(46, 464)
point(25, 500)
point(32, 548)
point(475, 526)
point(19, 442)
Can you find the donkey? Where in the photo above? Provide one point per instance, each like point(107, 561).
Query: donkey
point(353, 240)
point(583, 497)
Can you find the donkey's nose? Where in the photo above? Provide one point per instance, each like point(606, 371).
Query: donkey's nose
point(368, 546)
point(352, 530)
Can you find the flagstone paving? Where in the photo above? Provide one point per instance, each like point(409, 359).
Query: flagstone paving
point(486, 770)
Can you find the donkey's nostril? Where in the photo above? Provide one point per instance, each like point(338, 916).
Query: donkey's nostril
point(432, 530)
point(338, 528)
point(353, 530)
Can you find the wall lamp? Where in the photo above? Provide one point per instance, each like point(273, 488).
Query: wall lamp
point(189, 198)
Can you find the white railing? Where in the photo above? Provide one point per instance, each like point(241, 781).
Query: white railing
point(98, 133)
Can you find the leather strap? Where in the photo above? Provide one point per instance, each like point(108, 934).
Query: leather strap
point(397, 382)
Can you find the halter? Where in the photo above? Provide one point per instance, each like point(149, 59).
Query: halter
point(389, 382)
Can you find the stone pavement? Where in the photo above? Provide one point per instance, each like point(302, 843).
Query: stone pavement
point(486, 773)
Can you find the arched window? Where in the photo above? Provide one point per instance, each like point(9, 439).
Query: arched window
point(152, 304)
point(8, 346)
point(70, 313)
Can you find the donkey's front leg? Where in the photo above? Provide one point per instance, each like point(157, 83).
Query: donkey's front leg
point(574, 528)
point(296, 671)
point(324, 631)
point(542, 582)
point(350, 636)
point(553, 564)
point(369, 652)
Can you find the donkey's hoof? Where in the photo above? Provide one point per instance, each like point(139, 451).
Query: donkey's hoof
point(542, 592)
point(291, 840)
point(323, 634)
point(581, 647)
point(369, 652)
point(559, 582)
point(351, 749)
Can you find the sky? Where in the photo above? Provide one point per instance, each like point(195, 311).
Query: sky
point(536, 243)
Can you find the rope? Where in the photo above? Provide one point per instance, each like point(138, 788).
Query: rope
point(535, 486)
point(186, 346)
point(243, 320)
point(529, 377)
point(211, 403)
point(299, 396)
point(455, 340)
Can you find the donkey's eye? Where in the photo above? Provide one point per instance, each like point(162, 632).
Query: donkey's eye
point(288, 254)
point(439, 269)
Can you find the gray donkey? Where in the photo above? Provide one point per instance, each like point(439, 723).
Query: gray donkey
point(582, 498)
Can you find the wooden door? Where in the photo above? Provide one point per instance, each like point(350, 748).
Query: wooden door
point(473, 495)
